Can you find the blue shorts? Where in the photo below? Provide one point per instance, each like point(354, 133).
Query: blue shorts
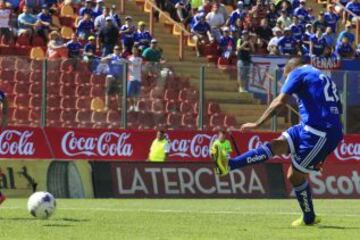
point(309, 147)
point(133, 88)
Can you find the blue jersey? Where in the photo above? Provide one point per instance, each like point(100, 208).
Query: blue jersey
point(287, 45)
point(236, 14)
point(45, 18)
point(343, 49)
point(319, 45)
point(297, 31)
point(317, 95)
point(85, 27)
point(116, 65)
point(2, 96)
point(353, 7)
point(302, 14)
point(201, 28)
point(89, 11)
point(74, 48)
point(331, 20)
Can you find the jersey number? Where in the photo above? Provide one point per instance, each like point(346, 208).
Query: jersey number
point(330, 90)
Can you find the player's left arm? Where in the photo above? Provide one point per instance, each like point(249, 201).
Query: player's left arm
point(274, 108)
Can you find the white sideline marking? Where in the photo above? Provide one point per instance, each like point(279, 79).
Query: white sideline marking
point(149, 210)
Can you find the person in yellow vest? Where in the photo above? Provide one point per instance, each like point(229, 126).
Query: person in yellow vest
point(221, 147)
point(160, 147)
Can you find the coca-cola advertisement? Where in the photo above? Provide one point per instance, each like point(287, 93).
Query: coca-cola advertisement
point(23, 143)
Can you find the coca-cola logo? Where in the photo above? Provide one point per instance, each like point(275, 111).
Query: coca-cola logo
point(347, 151)
point(255, 142)
point(108, 144)
point(14, 142)
point(197, 147)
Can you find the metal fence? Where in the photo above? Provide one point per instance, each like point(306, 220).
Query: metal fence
point(74, 93)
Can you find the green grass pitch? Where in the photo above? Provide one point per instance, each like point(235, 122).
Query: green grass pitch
point(179, 219)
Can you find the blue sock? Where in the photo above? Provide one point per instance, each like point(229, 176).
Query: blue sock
point(253, 156)
point(303, 195)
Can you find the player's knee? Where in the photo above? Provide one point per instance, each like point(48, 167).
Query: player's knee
point(279, 146)
point(296, 178)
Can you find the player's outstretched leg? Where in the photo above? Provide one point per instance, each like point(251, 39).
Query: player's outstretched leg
point(304, 197)
point(2, 198)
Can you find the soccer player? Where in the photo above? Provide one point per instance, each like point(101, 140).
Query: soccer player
point(4, 106)
point(224, 148)
point(309, 142)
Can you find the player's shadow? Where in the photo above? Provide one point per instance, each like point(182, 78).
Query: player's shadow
point(335, 227)
point(72, 220)
point(17, 219)
point(58, 225)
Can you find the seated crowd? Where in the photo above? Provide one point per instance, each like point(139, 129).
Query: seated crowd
point(268, 27)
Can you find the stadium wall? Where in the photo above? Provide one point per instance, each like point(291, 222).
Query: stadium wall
point(112, 163)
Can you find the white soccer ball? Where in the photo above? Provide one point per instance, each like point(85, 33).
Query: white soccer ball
point(41, 205)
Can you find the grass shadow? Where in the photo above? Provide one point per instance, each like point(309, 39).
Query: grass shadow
point(57, 225)
point(335, 227)
point(73, 220)
point(17, 219)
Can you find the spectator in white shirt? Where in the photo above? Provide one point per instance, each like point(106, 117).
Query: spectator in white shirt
point(273, 44)
point(5, 16)
point(134, 79)
point(100, 21)
point(216, 21)
point(284, 19)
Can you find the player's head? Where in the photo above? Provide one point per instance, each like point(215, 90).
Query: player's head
point(222, 135)
point(292, 64)
point(160, 134)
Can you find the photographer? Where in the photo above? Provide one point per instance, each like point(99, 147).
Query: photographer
point(244, 49)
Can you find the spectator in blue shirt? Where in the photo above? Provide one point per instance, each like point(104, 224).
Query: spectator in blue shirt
point(74, 47)
point(87, 9)
point(35, 4)
point(357, 51)
point(89, 52)
point(287, 44)
point(201, 33)
point(14, 4)
point(142, 37)
point(329, 37)
point(344, 48)
point(85, 27)
point(45, 19)
point(227, 44)
point(346, 33)
point(302, 13)
point(305, 47)
point(98, 9)
point(354, 7)
point(331, 18)
point(115, 15)
point(272, 15)
point(296, 29)
point(127, 32)
point(239, 13)
point(320, 22)
point(317, 43)
point(27, 22)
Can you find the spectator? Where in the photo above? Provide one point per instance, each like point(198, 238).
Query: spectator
point(100, 21)
point(259, 11)
point(346, 33)
point(46, 22)
point(287, 44)
point(354, 7)
point(89, 50)
point(56, 47)
point(284, 20)
point(273, 44)
point(216, 21)
point(239, 13)
point(303, 14)
point(201, 34)
point(74, 47)
point(28, 23)
point(317, 43)
point(108, 37)
point(320, 22)
point(237, 29)
point(134, 85)
point(222, 9)
point(259, 45)
point(35, 4)
point(344, 48)
point(114, 78)
point(244, 49)
point(296, 29)
point(115, 16)
point(5, 17)
point(227, 44)
point(87, 9)
point(142, 37)
point(127, 32)
point(329, 37)
point(331, 18)
point(160, 147)
point(13, 4)
point(286, 5)
point(328, 53)
point(153, 58)
point(85, 27)
point(98, 9)
point(183, 10)
point(272, 15)
point(306, 38)
point(264, 31)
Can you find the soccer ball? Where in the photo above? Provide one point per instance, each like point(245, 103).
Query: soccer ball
point(41, 205)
